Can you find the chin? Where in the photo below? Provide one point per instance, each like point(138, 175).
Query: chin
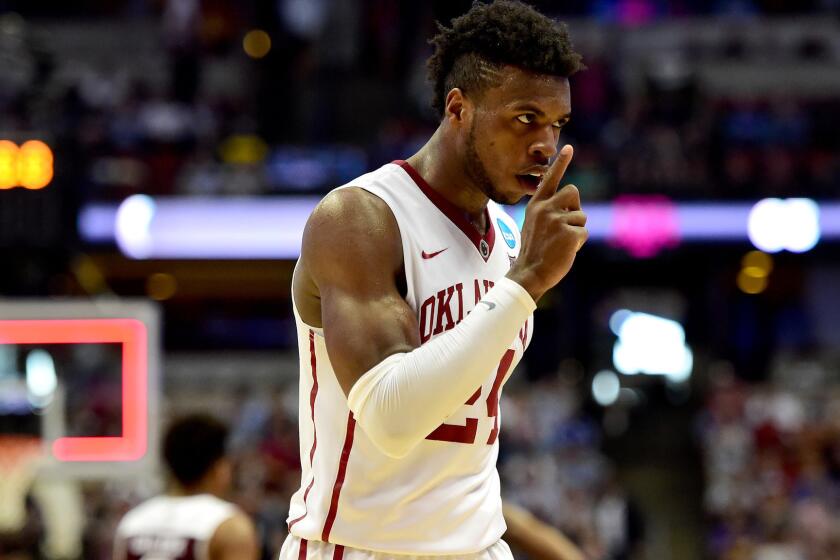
point(513, 195)
point(500, 196)
point(509, 198)
point(506, 199)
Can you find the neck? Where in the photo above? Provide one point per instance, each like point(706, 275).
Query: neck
point(177, 489)
point(438, 163)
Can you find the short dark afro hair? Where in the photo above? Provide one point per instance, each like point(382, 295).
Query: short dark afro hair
point(192, 445)
point(489, 36)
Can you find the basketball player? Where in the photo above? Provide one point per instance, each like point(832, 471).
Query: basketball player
point(413, 298)
point(191, 521)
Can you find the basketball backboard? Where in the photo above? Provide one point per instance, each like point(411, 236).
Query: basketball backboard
point(84, 376)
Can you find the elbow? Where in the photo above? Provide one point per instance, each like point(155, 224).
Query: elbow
point(391, 442)
point(394, 451)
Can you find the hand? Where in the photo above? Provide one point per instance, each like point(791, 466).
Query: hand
point(553, 232)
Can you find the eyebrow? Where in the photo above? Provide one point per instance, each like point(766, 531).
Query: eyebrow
point(539, 112)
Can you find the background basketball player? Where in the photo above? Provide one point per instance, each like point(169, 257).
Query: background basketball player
point(192, 521)
point(413, 299)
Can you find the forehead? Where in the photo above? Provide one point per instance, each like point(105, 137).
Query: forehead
point(521, 87)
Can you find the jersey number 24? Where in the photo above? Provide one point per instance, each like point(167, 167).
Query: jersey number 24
point(457, 433)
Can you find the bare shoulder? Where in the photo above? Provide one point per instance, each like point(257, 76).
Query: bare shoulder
point(350, 219)
point(349, 226)
point(235, 538)
point(347, 203)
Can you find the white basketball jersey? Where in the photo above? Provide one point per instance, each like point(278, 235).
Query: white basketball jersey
point(443, 497)
point(171, 528)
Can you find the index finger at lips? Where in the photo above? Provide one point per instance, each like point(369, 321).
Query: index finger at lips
point(551, 180)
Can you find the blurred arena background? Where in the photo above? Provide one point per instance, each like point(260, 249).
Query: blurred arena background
point(681, 398)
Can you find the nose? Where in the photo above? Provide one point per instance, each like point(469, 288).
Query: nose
point(544, 145)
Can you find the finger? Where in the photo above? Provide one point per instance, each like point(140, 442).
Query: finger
point(576, 218)
point(581, 233)
point(568, 197)
point(551, 180)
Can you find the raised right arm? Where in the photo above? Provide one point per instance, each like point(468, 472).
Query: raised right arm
point(398, 390)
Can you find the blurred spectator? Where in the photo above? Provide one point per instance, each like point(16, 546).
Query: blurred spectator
point(192, 516)
point(771, 485)
point(352, 72)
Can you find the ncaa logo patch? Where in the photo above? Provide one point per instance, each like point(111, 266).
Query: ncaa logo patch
point(507, 234)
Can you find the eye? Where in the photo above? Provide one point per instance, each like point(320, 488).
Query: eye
point(559, 124)
point(526, 118)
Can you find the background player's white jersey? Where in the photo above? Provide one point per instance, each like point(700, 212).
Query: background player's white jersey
point(443, 497)
point(171, 528)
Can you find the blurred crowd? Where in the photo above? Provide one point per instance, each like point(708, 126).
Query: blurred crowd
point(552, 463)
point(772, 463)
point(343, 89)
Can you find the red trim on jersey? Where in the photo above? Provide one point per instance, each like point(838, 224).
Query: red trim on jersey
point(302, 549)
point(313, 362)
point(312, 395)
point(455, 214)
point(339, 477)
point(338, 553)
point(305, 494)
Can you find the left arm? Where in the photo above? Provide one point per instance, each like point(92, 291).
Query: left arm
point(539, 540)
point(235, 539)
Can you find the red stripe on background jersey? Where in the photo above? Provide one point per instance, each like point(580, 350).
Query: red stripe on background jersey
point(302, 550)
point(312, 395)
point(338, 553)
point(339, 478)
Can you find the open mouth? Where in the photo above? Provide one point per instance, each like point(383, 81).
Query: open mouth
point(529, 181)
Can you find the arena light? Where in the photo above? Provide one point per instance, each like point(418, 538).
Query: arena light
point(272, 227)
point(784, 224)
point(756, 267)
point(757, 264)
point(750, 283)
point(161, 286)
point(617, 319)
point(30, 165)
point(41, 381)
point(804, 233)
point(256, 43)
point(8, 164)
point(97, 223)
point(133, 220)
point(35, 165)
point(605, 387)
point(651, 345)
point(212, 228)
point(644, 225)
point(243, 149)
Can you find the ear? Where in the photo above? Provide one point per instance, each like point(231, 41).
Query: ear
point(458, 109)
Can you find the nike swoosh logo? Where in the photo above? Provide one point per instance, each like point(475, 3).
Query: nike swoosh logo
point(490, 305)
point(426, 255)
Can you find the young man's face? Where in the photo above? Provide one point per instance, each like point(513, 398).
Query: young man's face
point(514, 133)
